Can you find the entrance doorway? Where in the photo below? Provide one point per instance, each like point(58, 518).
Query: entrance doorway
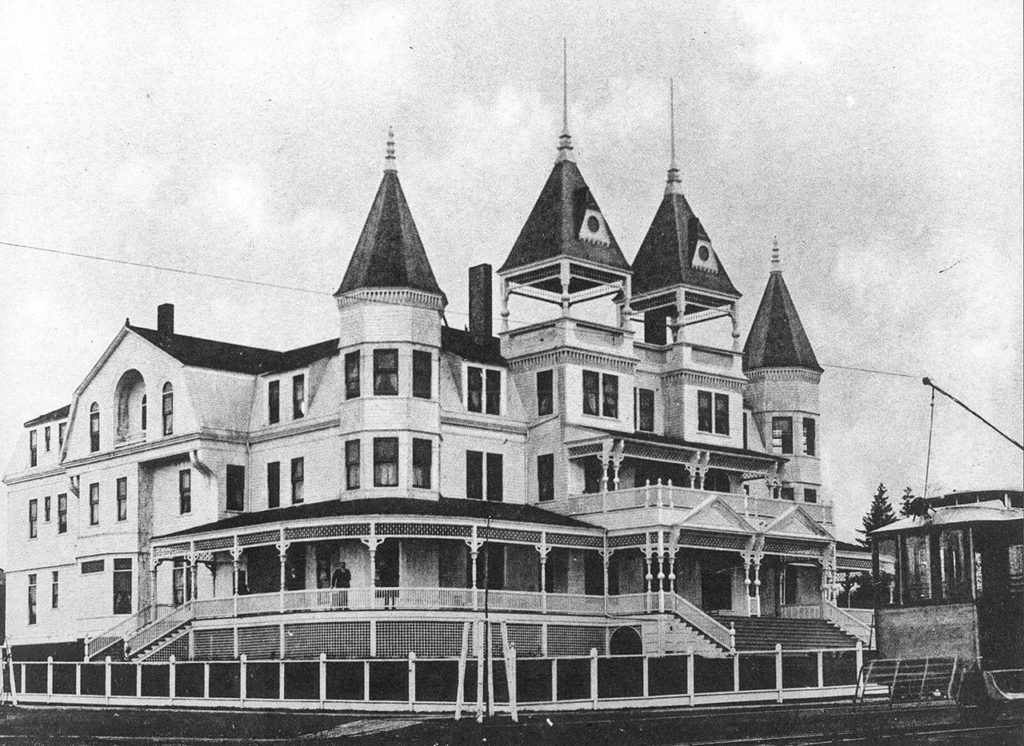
point(716, 589)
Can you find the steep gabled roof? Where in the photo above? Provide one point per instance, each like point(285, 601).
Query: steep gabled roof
point(665, 258)
point(553, 228)
point(777, 338)
point(389, 253)
point(197, 352)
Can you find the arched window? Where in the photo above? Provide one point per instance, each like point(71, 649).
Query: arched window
point(94, 427)
point(130, 407)
point(168, 408)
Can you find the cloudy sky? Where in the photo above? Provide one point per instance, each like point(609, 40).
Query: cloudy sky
point(882, 143)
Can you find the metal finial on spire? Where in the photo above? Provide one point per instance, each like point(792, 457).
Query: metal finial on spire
point(389, 158)
point(565, 140)
point(673, 185)
point(776, 259)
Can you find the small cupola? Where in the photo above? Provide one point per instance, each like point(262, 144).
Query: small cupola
point(566, 252)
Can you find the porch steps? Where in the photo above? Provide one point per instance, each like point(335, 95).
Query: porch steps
point(144, 653)
point(672, 636)
point(763, 633)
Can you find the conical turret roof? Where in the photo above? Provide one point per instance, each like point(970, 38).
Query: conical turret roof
point(667, 255)
point(777, 338)
point(553, 229)
point(389, 253)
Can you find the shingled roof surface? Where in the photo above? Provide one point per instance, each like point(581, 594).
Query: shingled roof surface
point(57, 414)
point(443, 508)
point(777, 338)
point(389, 252)
point(462, 343)
point(553, 227)
point(665, 258)
point(208, 353)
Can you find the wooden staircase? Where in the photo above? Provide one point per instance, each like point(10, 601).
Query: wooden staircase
point(764, 633)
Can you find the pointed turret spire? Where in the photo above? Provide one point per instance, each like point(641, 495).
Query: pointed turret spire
point(777, 338)
point(565, 140)
point(673, 186)
point(389, 252)
point(389, 153)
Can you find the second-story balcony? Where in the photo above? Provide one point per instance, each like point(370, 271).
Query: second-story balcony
point(660, 503)
point(567, 331)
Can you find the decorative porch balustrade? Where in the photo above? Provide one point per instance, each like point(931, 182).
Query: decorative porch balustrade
point(667, 495)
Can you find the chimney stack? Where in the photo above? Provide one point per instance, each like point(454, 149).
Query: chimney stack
point(165, 319)
point(480, 303)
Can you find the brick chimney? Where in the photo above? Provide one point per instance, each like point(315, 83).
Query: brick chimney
point(165, 319)
point(480, 303)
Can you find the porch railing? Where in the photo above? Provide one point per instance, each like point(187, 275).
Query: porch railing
point(162, 626)
point(848, 622)
point(667, 495)
point(699, 620)
point(801, 611)
point(125, 628)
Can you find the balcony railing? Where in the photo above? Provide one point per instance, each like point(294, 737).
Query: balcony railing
point(667, 495)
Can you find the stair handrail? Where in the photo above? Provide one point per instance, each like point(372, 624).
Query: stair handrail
point(701, 621)
point(152, 632)
point(125, 627)
point(847, 622)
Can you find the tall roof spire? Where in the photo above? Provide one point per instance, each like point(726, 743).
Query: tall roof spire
point(565, 140)
point(673, 186)
point(389, 154)
point(776, 259)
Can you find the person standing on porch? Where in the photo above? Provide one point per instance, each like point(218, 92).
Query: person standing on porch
point(340, 581)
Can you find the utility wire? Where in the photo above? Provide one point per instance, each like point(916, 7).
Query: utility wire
point(298, 289)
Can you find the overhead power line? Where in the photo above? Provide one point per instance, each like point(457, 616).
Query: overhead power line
point(311, 291)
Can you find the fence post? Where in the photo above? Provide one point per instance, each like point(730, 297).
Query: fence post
point(778, 671)
point(373, 638)
point(172, 677)
point(554, 679)
point(821, 669)
point(323, 678)
point(49, 677)
point(735, 671)
point(412, 680)
point(646, 676)
point(280, 679)
point(206, 681)
point(241, 678)
point(860, 656)
point(138, 680)
point(593, 676)
point(78, 679)
point(690, 675)
point(106, 678)
point(512, 677)
point(366, 680)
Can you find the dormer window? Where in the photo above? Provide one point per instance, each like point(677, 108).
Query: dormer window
point(168, 409)
point(33, 448)
point(483, 390)
point(62, 429)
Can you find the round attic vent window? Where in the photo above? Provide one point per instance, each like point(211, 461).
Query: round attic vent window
point(593, 224)
point(703, 252)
